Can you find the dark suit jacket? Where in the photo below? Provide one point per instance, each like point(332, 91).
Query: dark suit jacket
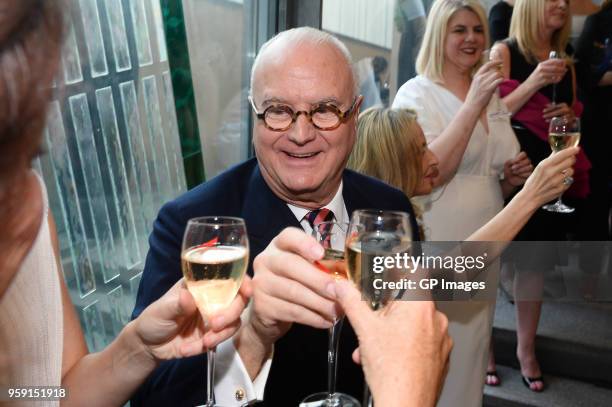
point(299, 364)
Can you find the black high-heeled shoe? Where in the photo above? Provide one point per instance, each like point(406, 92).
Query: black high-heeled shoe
point(528, 381)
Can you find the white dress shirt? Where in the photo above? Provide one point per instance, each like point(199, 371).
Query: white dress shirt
point(336, 205)
point(233, 386)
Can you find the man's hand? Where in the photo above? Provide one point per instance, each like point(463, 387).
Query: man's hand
point(287, 288)
point(517, 170)
point(403, 347)
point(172, 326)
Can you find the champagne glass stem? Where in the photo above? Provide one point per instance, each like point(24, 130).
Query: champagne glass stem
point(332, 361)
point(554, 94)
point(210, 376)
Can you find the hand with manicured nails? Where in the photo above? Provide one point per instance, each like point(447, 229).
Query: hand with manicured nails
point(485, 81)
point(546, 182)
point(548, 72)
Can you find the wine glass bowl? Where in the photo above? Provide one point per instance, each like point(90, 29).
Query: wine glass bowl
point(563, 132)
point(214, 260)
point(501, 113)
point(375, 234)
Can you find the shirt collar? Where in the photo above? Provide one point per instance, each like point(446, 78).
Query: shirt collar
point(336, 205)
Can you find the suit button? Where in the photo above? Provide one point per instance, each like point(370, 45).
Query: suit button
point(239, 394)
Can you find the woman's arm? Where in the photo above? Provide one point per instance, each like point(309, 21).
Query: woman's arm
point(450, 145)
point(547, 72)
point(545, 184)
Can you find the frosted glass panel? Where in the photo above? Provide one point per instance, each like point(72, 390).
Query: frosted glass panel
point(66, 208)
point(96, 336)
point(141, 30)
point(118, 175)
point(93, 38)
point(92, 179)
point(121, 52)
point(137, 162)
point(156, 133)
point(159, 30)
point(177, 171)
point(70, 58)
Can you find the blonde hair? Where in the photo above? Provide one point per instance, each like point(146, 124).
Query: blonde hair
point(387, 148)
point(430, 60)
point(527, 17)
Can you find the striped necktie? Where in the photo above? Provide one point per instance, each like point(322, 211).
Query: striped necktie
point(315, 218)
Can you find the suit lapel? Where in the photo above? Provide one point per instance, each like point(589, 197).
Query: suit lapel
point(353, 199)
point(265, 214)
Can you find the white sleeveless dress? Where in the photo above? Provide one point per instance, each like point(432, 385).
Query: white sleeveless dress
point(452, 213)
point(31, 319)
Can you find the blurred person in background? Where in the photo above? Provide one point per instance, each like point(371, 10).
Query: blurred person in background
point(538, 88)
point(594, 50)
point(580, 10)
point(479, 163)
point(499, 20)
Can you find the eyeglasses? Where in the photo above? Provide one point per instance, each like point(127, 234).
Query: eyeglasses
point(323, 116)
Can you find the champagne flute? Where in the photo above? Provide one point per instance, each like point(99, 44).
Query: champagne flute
point(563, 132)
point(375, 233)
point(501, 113)
point(332, 236)
point(214, 260)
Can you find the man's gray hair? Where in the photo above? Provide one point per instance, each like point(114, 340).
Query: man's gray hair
point(300, 35)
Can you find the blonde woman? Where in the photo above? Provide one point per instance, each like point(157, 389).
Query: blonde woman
point(480, 164)
point(539, 88)
point(391, 146)
point(387, 137)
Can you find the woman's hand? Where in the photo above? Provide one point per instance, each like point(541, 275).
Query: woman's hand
point(557, 110)
point(517, 170)
point(403, 347)
point(484, 83)
point(172, 326)
point(548, 72)
point(551, 177)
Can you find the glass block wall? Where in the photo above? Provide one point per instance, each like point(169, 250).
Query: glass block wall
point(113, 154)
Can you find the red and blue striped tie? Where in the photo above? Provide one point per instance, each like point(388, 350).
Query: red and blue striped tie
point(318, 216)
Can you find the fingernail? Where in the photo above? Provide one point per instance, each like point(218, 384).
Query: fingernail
point(317, 251)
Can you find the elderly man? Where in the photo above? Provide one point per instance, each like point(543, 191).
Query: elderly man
point(304, 97)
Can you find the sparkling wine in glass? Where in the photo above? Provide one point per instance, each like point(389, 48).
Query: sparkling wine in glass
point(214, 260)
point(563, 132)
point(376, 233)
point(332, 236)
point(501, 113)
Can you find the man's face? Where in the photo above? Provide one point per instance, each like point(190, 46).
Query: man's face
point(303, 165)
